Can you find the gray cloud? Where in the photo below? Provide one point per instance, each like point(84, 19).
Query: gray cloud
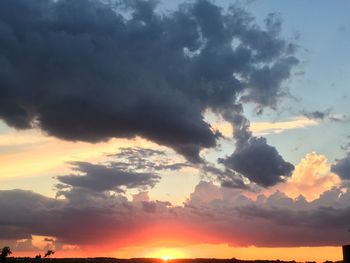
point(20, 212)
point(342, 168)
point(104, 177)
point(226, 177)
point(260, 163)
point(90, 71)
point(325, 115)
point(253, 158)
point(130, 168)
point(318, 115)
point(144, 159)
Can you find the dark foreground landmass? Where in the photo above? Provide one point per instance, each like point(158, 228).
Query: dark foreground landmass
point(144, 260)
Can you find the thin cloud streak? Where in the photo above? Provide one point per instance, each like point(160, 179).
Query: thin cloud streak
point(263, 128)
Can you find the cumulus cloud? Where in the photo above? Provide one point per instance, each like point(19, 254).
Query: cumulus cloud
point(260, 163)
point(311, 177)
point(91, 71)
point(253, 158)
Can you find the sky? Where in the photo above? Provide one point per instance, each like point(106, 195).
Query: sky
point(175, 129)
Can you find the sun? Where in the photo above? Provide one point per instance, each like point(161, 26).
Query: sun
point(166, 258)
point(167, 254)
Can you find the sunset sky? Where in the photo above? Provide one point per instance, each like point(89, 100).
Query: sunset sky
point(172, 129)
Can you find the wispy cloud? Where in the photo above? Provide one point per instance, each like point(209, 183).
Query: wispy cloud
point(267, 127)
point(264, 128)
point(326, 115)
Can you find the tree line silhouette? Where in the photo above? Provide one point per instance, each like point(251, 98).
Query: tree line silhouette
point(6, 252)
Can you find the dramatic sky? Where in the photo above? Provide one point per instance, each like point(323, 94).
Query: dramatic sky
point(134, 128)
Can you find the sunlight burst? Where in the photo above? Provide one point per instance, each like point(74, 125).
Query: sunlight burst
point(167, 254)
point(166, 258)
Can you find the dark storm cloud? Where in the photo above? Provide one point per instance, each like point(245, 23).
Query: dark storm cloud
point(259, 162)
point(88, 70)
point(253, 157)
point(342, 168)
point(104, 177)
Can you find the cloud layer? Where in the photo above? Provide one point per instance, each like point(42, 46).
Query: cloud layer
point(211, 215)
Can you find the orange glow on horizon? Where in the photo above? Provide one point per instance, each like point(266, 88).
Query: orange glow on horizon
point(220, 251)
point(225, 251)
